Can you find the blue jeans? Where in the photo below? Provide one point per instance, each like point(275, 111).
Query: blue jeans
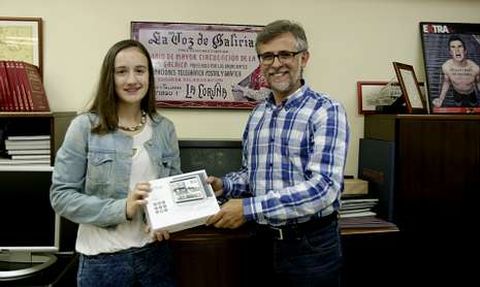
point(313, 260)
point(150, 265)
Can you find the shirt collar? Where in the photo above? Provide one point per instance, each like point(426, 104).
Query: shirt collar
point(291, 100)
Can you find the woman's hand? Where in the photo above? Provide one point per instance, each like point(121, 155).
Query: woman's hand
point(137, 198)
point(159, 234)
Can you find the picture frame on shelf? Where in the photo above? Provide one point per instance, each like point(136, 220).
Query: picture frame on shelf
point(373, 94)
point(451, 53)
point(411, 91)
point(21, 39)
point(203, 65)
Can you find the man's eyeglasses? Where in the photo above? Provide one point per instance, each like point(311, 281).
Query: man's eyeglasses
point(283, 57)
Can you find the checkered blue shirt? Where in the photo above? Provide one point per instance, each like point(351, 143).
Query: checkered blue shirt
point(293, 159)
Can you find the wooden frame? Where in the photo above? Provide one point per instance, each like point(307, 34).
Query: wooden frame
point(411, 90)
point(368, 94)
point(21, 39)
point(203, 65)
point(452, 59)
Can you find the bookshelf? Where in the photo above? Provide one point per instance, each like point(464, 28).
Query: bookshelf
point(53, 124)
point(31, 134)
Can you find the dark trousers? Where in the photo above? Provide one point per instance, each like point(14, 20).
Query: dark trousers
point(150, 265)
point(312, 259)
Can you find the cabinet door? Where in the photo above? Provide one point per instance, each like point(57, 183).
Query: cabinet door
point(438, 182)
point(439, 168)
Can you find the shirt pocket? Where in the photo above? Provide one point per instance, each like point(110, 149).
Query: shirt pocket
point(99, 169)
point(296, 156)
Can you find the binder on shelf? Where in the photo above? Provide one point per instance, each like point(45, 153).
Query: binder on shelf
point(31, 157)
point(22, 145)
point(28, 151)
point(21, 88)
point(32, 137)
point(6, 161)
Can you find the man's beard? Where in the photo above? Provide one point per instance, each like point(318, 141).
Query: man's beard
point(287, 85)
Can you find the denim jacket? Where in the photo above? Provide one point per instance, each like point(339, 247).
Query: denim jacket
point(91, 175)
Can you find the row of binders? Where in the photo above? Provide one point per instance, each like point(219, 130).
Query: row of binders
point(21, 88)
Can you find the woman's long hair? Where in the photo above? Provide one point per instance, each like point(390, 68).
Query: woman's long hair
point(106, 100)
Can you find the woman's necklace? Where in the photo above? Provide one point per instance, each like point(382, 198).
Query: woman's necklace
point(143, 120)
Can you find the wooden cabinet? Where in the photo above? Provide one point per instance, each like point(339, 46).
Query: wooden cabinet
point(436, 182)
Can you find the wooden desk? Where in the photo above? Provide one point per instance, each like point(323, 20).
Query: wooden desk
point(210, 257)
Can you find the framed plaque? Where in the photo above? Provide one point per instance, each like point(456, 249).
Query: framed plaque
point(21, 40)
point(410, 87)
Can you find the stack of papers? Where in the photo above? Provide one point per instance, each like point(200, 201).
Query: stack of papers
point(358, 207)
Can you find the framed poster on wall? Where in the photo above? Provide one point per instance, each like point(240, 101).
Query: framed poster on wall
point(452, 60)
point(21, 40)
point(203, 65)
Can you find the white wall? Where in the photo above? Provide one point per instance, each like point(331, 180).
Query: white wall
point(350, 40)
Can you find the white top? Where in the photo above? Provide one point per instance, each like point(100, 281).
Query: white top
point(92, 240)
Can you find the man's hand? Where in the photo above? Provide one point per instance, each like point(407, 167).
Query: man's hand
point(229, 216)
point(217, 185)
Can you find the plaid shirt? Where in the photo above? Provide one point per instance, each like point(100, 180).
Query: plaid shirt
point(293, 159)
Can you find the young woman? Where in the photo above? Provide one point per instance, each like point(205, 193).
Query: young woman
point(101, 172)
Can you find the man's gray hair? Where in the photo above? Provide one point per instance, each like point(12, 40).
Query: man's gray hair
point(279, 27)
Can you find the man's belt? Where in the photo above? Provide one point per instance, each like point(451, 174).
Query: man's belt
point(295, 231)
